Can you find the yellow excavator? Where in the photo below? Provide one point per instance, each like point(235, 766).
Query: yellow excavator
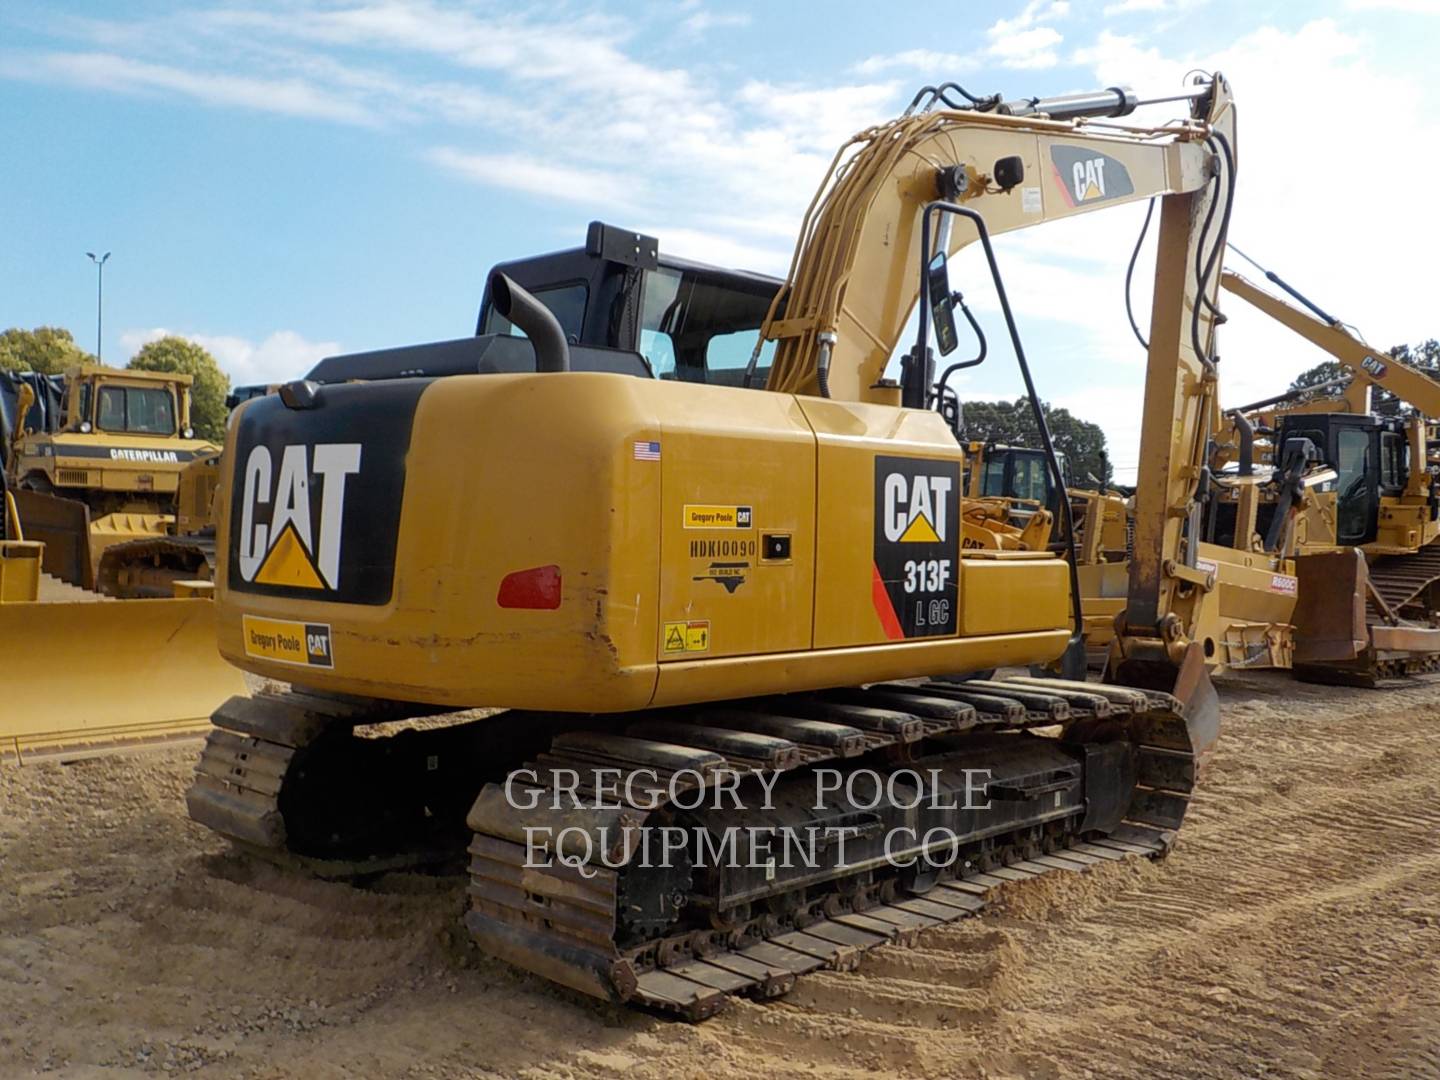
point(679, 525)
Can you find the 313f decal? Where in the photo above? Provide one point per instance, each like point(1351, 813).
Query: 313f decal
point(917, 522)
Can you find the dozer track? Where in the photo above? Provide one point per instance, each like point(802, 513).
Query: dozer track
point(141, 569)
point(1077, 774)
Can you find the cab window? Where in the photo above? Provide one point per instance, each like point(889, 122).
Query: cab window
point(1030, 478)
point(993, 481)
point(566, 303)
point(696, 328)
point(135, 409)
point(1393, 452)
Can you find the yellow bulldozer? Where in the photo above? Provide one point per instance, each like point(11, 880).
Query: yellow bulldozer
point(103, 467)
point(678, 524)
point(88, 674)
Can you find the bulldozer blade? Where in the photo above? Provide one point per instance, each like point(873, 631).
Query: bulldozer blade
point(1330, 613)
point(90, 677)
point(1189, 682)
point(63, 526)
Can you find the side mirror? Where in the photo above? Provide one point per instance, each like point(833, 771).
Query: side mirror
point(942, 306)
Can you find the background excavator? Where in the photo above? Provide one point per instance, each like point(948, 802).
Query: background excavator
point(656, 567)
point(1362, 619)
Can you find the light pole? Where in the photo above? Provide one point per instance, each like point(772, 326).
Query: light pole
point(99, 297)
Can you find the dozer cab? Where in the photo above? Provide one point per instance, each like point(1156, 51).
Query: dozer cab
point(106, 469)
point(687, 536)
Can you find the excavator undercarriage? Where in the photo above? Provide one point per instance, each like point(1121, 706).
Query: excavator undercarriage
point(676, 857)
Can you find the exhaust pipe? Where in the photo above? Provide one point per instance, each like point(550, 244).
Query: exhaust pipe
point(552, 351)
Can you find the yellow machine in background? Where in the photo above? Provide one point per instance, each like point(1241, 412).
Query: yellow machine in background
point(1361, 619)
point(656, 567)
point(85, 674)
point(109, 472)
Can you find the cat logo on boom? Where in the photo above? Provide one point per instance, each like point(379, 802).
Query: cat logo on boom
point(1088, 176)
point(284, 541)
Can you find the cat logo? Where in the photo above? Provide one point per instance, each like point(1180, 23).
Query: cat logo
point(284, 541)
point(1087, 176)
point(913, 586)
point(916, 508)
point(1376, 368)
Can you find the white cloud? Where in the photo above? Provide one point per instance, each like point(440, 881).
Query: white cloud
point(534, 177)
point(947, 63)
point(1035, 12)
point(1409, 7)
point(282, 356)
point(1021, 42)
point(1124, 7)
point(702, 21)
point(1028, 49)
point(290, 96)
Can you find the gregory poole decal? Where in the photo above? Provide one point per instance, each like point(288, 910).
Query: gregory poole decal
point(1088, 176)
point(306, 644)
point(315, 500)
point(917, 522)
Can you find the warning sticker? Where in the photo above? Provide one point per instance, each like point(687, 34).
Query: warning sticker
point(718, 517)
point(687, 637)
point(305, 644)
point(917, 514)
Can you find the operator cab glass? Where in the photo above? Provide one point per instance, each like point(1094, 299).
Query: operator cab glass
point(566, 303)
point(1369, 458)
point(1019, 473)
point(699, 326)
point(138, 410)
point(691, 322)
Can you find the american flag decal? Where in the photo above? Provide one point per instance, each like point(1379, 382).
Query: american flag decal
point(647, 450)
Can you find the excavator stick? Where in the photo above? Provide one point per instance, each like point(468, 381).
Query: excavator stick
point(90, 676)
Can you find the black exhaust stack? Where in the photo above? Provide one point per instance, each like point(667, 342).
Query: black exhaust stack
point(552, 351)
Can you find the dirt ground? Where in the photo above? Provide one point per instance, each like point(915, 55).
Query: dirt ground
point(1294, 932)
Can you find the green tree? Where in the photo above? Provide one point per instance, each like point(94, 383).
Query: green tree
point(1013, 423)
point(1425, 356)
point(207, 395)
point(47, 349)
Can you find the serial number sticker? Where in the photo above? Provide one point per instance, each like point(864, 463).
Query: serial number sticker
point(304, 644)
point(1030, 200)
point(719, 517)
point(690, 636)
point(1284, 583)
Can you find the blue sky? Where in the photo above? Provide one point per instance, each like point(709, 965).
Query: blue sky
point(282, 179)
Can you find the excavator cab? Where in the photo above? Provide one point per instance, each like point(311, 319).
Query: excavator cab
point(691, 322)
point(1370, 457)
